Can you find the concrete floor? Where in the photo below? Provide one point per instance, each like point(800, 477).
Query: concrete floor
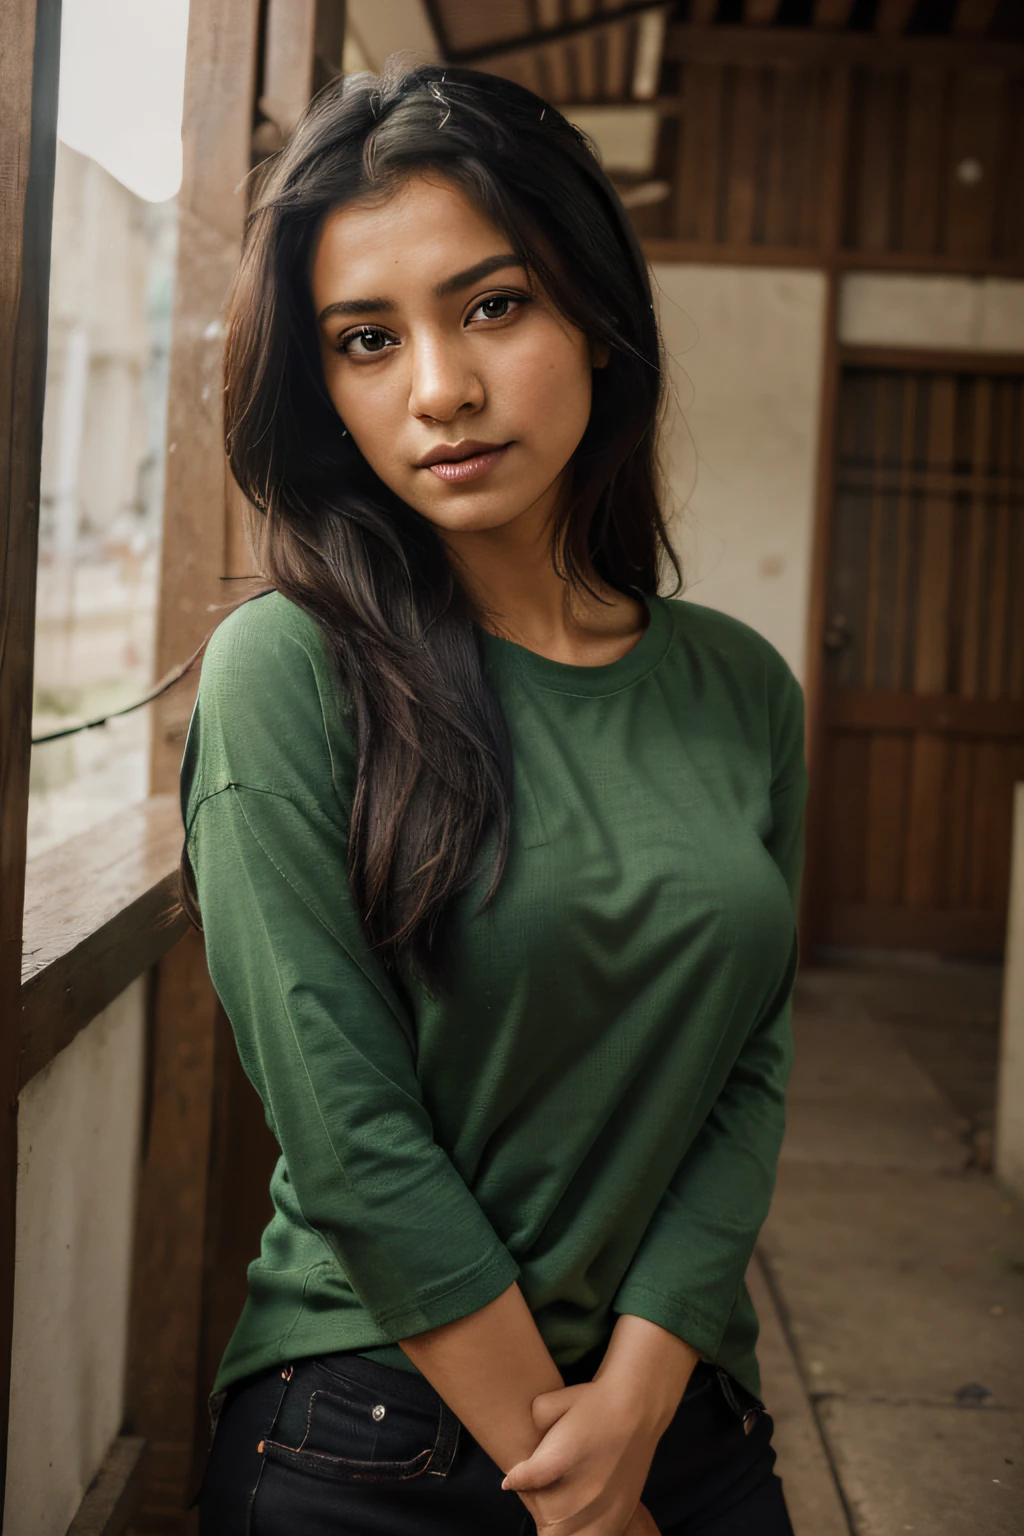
point(890, 1274)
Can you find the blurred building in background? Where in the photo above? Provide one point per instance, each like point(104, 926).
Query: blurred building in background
point(111, 281)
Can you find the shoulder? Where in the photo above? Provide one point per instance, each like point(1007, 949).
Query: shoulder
point(269, 708)
point(269, 637)
point(734, 644)
point(748, 676)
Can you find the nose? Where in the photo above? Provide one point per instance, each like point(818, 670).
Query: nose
point(443, 382)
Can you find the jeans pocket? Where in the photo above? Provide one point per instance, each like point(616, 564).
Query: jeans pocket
point(343, 1428)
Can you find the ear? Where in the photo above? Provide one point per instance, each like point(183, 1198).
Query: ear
point(599, 354)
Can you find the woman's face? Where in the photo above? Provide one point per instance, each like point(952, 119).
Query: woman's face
point(463, 388)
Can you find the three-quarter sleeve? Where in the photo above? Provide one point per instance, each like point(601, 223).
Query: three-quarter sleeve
point(688, 1272)
point(321, 1032)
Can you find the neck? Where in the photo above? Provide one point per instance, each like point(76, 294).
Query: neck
point(511, 580)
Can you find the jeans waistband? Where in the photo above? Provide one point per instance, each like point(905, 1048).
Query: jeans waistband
point(403, 1386)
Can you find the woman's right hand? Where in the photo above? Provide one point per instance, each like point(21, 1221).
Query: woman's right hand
point(641, 1523)
point(587, 1475)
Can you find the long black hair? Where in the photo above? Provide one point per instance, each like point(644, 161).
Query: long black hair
point(434, 759)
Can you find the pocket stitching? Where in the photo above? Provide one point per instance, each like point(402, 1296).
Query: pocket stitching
point(356, 1467)
point(361, 1471)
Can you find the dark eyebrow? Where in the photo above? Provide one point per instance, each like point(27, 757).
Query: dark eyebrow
point(476, 274)
point(450, 285)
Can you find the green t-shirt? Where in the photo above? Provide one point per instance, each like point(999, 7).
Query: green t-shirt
point(595, 1107)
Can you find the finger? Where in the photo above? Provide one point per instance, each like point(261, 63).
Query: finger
point(548, 1407)
point(538, 1471)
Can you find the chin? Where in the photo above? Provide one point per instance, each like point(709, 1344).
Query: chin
point(468, 519)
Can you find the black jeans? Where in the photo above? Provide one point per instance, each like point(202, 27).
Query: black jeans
point(338, 1444)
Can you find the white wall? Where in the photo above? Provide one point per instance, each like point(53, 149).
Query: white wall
point(79, 1124)
point(745, 349)
point(982, 314)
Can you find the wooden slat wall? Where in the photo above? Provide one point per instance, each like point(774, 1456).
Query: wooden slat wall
point(928, 564)
point(29, 58)
point(933, 176)
point(934, 162)
point(590, 65)
point(747, 164)
point(592, 68)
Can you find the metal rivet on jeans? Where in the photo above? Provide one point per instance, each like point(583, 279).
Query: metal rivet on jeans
point(378, 1411)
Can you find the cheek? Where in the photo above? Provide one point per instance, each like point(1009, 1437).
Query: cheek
point(367, 405)
point(549, 392)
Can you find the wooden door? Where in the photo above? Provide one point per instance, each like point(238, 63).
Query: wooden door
point(924, 674)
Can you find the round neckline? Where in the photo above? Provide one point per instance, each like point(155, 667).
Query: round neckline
point(568, 677)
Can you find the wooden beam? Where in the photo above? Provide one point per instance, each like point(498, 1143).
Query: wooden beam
point(110, 1502)
point(98, 913)
point(328, 42)
point(164, 1350)
point(303, 42)
point(857, 709)
point(662, 248)
point(29, 61)
point(219, 94)
point(287, 62)
point(929, 359)
point(657, 248)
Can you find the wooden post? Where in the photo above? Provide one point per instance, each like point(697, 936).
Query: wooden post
point(29, 60)
point(167, 1289)
point(304, 40)
point(208, 1155)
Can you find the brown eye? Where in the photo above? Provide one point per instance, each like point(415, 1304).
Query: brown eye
point(365, 342)
point(499, 306)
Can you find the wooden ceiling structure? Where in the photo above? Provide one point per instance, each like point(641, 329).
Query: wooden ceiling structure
point(599, 52)
point(793, 132)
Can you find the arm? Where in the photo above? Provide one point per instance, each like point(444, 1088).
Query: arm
point(465, 1362)
point(325, 1039)
point(589, 1470)
point(498, 1347)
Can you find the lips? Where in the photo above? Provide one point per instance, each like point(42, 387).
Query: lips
point(453, 453)
point(464, 461)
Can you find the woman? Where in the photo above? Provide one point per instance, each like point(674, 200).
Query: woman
point(497, 855)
